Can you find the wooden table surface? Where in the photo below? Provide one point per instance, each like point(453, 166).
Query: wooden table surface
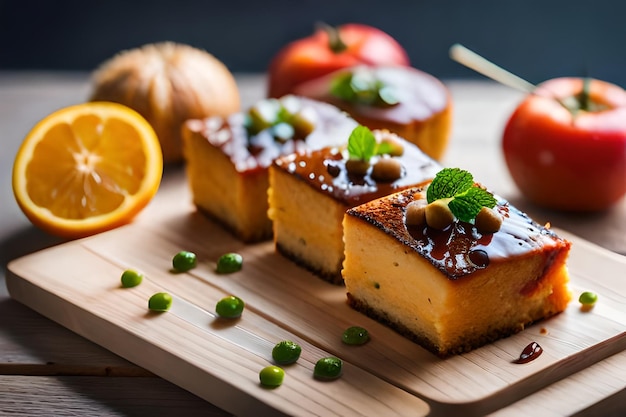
point(46, 369)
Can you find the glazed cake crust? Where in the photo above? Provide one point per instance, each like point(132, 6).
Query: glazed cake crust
point(324, 170)
point(428, 286)
point(461, 249)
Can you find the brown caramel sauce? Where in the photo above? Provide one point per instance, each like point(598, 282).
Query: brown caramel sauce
point(531, 352)
point(325, 171)
point(250, 154)
point(461, 249)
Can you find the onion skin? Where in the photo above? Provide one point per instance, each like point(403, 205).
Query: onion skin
point(168, 83)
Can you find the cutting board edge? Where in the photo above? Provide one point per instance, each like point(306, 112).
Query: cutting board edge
point(222, 398)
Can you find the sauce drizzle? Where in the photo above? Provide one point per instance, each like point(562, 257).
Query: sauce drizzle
point(531, 352)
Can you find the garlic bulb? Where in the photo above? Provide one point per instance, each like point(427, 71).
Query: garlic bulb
point(168, 83)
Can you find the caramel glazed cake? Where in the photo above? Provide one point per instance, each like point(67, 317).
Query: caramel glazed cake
point(227, 159)
point(455, 289)
point(421, 108)
point(310, 192)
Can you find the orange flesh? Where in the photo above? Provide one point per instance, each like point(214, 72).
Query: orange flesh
point(87, 178)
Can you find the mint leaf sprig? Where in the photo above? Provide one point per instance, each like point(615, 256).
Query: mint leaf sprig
point(465, 199)
point(361, 143)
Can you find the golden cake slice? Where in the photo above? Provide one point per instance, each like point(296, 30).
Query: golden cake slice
point(310, 191)
point(227, 159)
point(415, 105)
point(453, 287)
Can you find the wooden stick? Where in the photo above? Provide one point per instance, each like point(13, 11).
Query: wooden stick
point(471, 59)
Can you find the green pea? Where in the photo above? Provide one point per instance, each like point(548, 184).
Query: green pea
point(588, 298)
point(160, 301)
point(229, 263)
point(184, 261)
point(328, 368)
point(229, 307)
point(355, 335)
point(286, 352)
point(131, 278)
point(271, 376)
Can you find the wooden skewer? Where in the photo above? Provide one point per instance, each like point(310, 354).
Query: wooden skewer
point(471, 59)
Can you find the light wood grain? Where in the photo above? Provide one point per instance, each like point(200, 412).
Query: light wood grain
point(196, 358)
point(77, 284)
point(569, 398)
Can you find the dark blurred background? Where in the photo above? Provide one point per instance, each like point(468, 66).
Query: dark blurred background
point(537, 39)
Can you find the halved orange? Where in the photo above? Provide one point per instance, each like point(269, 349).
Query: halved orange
point(86, 169)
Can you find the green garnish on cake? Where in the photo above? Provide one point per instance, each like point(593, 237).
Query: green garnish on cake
point(453, 195)
point(465, 198)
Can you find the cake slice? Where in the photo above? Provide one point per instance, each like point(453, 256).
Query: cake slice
point(310, 191)
point(453, 287)
point(227, 159)
point(409, 102)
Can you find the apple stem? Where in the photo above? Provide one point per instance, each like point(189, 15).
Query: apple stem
point(335, 43)
point(584, 99)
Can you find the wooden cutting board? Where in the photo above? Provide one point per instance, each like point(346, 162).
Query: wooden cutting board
point(77, 284)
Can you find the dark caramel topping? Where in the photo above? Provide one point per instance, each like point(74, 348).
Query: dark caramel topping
point(530, 353)
point(459, 249)
point(257, 152)
point(325, 170)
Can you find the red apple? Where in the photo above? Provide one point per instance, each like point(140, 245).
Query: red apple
point(330, 49)
point(565, 145)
